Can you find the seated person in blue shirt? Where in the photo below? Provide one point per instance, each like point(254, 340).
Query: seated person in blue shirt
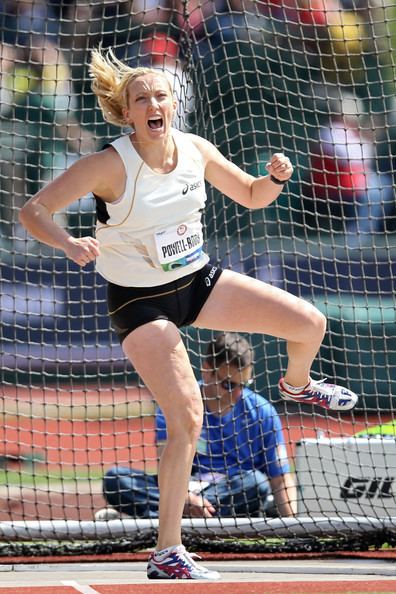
point(240, 467)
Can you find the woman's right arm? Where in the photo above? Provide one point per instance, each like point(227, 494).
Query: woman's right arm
point(89, 174)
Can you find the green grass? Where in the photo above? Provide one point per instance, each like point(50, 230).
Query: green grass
point(31, 478)
point(38, 475)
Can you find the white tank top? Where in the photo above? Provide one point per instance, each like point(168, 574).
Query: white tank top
point(154, 232)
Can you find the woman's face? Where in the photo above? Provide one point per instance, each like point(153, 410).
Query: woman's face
point(150, 106)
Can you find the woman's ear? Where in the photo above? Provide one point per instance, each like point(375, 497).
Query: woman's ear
point(125, 113)
point(174, 114)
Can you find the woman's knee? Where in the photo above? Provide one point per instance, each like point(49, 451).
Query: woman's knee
point(186, 424)
point(316, 325)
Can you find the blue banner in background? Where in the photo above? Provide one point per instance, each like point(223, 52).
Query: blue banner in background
point(54, 321)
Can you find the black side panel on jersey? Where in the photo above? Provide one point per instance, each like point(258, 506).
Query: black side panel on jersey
point(101, 209)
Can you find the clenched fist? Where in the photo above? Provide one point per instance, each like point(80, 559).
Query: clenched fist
point(280, 167)
point(82, 250)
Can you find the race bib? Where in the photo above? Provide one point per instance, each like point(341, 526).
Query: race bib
point(179, 246)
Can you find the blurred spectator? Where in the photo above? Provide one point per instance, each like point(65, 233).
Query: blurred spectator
point(12, 187)
point(385, 132)
point(147, 13)
point(344, 182)
point(308, 12)
point(81, 30)
point(29, 23)
point(195, 18)
point(357, 53)
point(342, 51)
point(39, 133)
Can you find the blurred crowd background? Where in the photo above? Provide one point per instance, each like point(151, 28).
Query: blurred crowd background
point(314, 79)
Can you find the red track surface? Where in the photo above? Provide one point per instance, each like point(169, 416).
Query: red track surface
point(103, 442)
point(93, 443)
point(333, 587)
point(253, 588)
point(142, 556)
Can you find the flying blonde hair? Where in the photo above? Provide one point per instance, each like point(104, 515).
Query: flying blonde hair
point(110, 80)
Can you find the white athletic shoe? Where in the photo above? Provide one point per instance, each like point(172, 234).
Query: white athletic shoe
point(178, 564)
point(322, 394)
point(106, 514)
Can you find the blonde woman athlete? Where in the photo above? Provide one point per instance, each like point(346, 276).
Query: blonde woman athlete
point(150, 189)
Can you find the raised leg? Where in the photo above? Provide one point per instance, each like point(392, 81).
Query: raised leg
point(240, 303)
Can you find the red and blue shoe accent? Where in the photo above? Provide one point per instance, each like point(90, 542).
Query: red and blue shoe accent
point(322, 394)
point(178, 564)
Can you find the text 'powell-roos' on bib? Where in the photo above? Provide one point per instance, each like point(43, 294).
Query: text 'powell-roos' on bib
point(179, 246)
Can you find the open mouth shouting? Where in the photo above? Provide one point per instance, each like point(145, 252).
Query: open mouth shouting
point(156, 123)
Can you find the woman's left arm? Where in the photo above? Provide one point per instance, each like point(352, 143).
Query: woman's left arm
point(243, 188)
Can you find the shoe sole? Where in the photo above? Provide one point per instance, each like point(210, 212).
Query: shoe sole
point(169, 577)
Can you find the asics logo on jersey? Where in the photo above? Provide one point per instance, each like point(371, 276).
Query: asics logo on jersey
point(191, 187)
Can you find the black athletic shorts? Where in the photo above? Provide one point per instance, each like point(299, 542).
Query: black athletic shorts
point(179, 301)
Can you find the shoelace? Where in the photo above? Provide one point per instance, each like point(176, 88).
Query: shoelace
point(191, 558)
point(317, 394)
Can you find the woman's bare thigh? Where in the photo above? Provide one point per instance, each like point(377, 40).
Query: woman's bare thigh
point(158, 354)
point(240, 303)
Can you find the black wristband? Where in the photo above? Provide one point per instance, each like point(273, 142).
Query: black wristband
point(277, 181)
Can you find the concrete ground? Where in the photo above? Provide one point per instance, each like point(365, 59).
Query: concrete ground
point(95, 578)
